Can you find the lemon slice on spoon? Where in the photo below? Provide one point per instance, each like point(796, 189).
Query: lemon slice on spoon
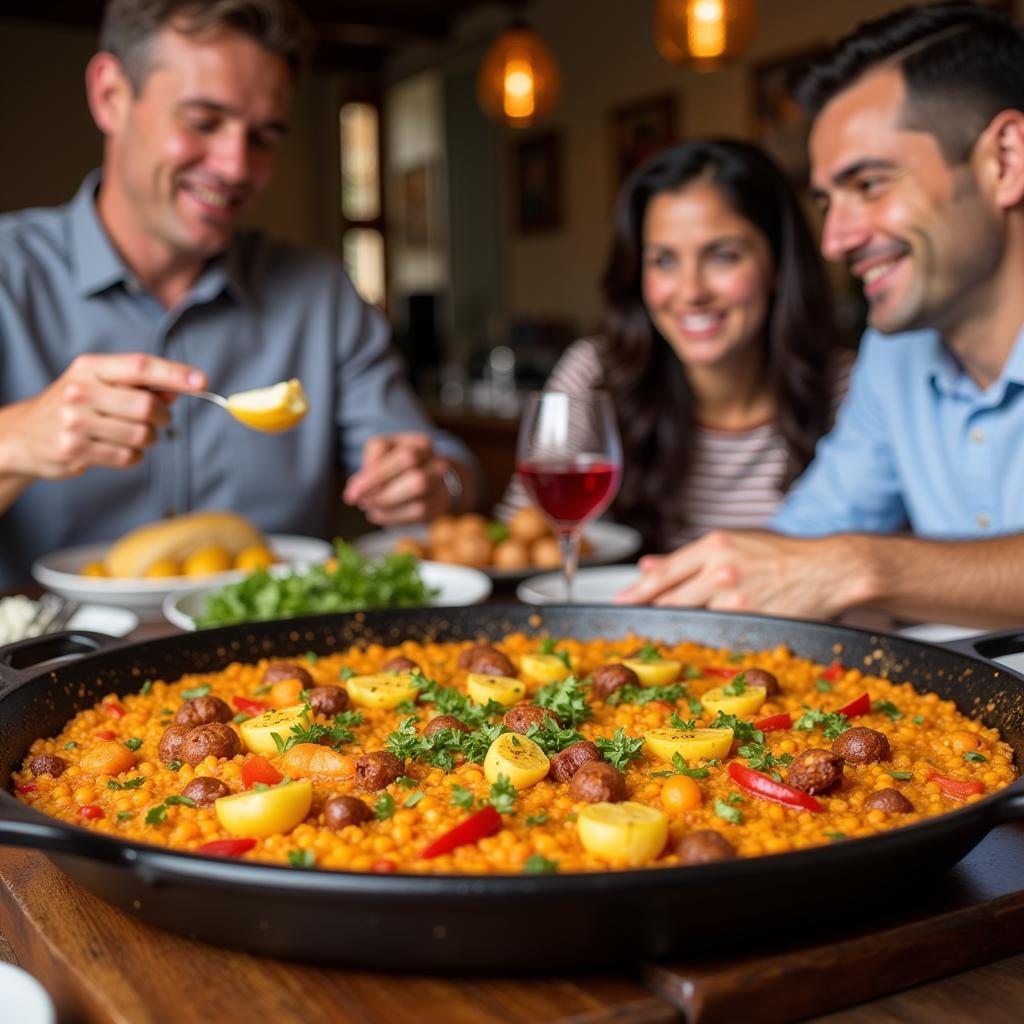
point(273, 409)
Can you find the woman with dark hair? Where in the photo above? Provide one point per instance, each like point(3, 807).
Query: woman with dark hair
point(720, 349)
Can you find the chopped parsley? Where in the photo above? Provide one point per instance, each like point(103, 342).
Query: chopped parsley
point(836, 837)
point(679, 767)
point(537, 819)
point(70, 745)
point(571, 817)
point(128, 784)
point(502, 796)
point(125, 815)
point(728, 813)
point(384, 807)
point(918, 719)
point(450, 701)
point(548, 646)
point(973, 755)
point(312, 657)
point(240, 718)
point(742, 730)
point(620, 749)
point(346, 672)
point(463, 797)
point(414, 798)
point(198, 691)
point(761, 759)
point(175, 765)
point(302, 858)
point(157, 815)
point(648, 654)
point(683, 724)
point(338, 733)
point(133, 744)
point(405, 782)
point(737, 687)
point(834, 724)
point(185, 801)
point(692, 672)
point(902, 776)
point(261, 690)
point(886, 707)
point(497, 531)
point(538, 864)
point(824, 686)
point(566, 699)
point(631, 693)
point(551, 737)
point(147, 685)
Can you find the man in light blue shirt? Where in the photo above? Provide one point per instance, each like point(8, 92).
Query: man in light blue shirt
point(141, 287)
point(917, 153)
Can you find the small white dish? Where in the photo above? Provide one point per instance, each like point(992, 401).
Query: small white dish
point(938, 632)
point(23, 998)
point(103, 618)
point(457, 586)
point(597, 585)
point(609, 542)
point(61, 573)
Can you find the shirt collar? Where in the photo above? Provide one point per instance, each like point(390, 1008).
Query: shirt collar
point(98, 265)
point(946, 374)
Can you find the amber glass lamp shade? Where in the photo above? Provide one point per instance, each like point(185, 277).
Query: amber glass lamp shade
point(704, 34)
point(518, 83)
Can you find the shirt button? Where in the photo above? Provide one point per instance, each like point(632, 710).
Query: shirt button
point(983, 521)
point(977, 435)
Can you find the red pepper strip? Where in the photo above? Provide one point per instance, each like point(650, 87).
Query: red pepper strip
point(106, 734)
point(954, 787)
point(718, 673)
point(91, 812)
point(29, 787)
point(114, 710)
point(250, 707)
point(259, 769)
point(773, 722)
point(476, 826)
point(860, 706)
point(383, 867)
point(833, 672)
point(227, 847)
point(765, 787)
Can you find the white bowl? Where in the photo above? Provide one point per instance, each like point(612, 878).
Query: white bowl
point(598, 585)
point(61, 573)
point(457, 586)
point(23, 998)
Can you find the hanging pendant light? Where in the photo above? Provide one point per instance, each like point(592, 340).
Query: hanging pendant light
point(704, 34)
point(518, 83)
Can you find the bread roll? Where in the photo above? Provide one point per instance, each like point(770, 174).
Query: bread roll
point(178, 538)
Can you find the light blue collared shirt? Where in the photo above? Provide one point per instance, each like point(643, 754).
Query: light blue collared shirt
point(263, 313)
point(917, 443)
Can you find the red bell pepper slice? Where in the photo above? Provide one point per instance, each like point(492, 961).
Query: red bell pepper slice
point(28, 787)
point(250, 707)
point(383, 866)
point(106, 734)
point(834, 672)
point(259, 769)
point(860, 706)
point(955, 788)
point(91, 812)
point(227, 847)
point(773, 722)
point(114, 710)
point(764, 786)
point(484, 823)
point(719, 673)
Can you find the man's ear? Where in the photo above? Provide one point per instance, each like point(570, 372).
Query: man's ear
point(109, 92)
point(1001, 149)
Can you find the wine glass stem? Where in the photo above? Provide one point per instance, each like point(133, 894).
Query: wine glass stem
point(570, 545)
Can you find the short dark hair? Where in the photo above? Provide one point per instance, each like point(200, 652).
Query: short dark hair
point(130, 27)
point(962, 63)
point(648, 382)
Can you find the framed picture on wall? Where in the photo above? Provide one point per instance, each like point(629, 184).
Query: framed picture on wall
point(537, 183)
point(639, 130)
point(780, 125)
point(416, 213)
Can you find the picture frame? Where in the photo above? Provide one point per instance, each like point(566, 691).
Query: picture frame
point(637, 131)
point(537, 183)
point(779, 125)
point(417, 226)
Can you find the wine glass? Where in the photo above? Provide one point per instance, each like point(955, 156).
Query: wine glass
point(569, 458)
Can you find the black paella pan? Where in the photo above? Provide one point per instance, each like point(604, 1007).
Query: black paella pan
point(459, 923)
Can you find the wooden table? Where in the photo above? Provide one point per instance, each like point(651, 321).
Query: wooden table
point(103, 967)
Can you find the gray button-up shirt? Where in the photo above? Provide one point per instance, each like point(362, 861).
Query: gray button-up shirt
point(264, 312)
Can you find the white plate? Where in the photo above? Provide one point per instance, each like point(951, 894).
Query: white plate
point(609, 542)
point(457, 584)
point(23, 998)
point(591, 586)
point(61, 573)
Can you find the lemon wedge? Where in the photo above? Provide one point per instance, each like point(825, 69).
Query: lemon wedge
point(269, 812)
point(745, 703)
point(382, 690)
point(659, 672)
point(547, 668)
point(519, 758)
point(273, 409)
point(688, 744)
point(503, 689)
point(629, 832)
point(258, 733)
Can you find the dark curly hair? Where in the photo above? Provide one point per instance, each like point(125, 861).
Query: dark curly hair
point(962, 63)
point(645, 377)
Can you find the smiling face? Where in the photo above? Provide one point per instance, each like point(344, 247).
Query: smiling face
point(920, 235)
point(707, 275)
point(186, 154)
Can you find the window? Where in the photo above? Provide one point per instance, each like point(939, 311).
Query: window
point(362, 238)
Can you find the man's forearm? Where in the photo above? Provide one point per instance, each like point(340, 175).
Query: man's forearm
point(975, 583)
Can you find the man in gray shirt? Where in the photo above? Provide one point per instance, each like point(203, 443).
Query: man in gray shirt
point(141, 287)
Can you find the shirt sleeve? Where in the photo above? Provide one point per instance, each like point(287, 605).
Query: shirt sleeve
point(578, 369)
point(853, 483)
point(374, 395)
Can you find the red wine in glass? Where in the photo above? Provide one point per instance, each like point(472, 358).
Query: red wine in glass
point(568, 457)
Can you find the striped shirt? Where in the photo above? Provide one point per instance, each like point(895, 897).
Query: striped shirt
point(734, 479)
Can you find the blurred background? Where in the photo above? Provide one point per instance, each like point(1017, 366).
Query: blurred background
point(482, 234)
